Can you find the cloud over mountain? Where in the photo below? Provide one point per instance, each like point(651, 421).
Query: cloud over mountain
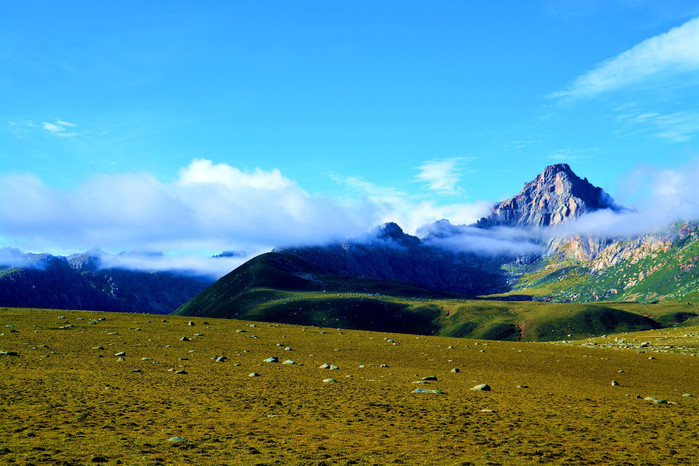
point(208, 207)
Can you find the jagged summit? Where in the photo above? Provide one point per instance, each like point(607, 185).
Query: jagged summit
point(555, 196)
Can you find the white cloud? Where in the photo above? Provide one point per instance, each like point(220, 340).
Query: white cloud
point(208, 208)
point(673, 127)
point(568, 154)
point(674, 51)
point(412, 212)
point(59, 128)
point(441, 176)
point(659, 197)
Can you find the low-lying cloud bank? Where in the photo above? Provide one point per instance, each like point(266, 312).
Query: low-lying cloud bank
point(208, 209)
point(212, 208)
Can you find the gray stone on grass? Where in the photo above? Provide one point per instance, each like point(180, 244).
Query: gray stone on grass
point(272, 359)
point(329, 380)
point(429, 377)
point(120, 353)
point(484, 387)
point(253, 374)
point(455, 370)
point(615, 383)
point(424, 390)
point(688, 395)
point(289, 362)
point(9, 353)
point(177, 439)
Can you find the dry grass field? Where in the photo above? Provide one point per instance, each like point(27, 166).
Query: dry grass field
point(66, 398)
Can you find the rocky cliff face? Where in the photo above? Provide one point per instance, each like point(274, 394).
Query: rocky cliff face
point(663, 265)
point(555, 196)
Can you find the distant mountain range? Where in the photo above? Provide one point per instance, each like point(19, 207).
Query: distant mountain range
point(516, 252)
point(80, 281)
point(520, 251)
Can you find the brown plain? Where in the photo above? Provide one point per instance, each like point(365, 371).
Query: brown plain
point(63, 400)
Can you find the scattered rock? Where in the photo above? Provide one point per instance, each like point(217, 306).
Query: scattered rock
point(289, 362)
point(121, 358)
point(253, 374)
point(325, 365)
point(615, 383)
point(329, 380)
point(288, 348)
point(655, 400)
point(688, 395)
point(429, 377)
point(522, 386)
point(190, 323)
point(99, 459)
point(622, 371)
point(180, 372)
point(185, 339)
point(137, 370)
point(100, 348)
point(482, 387)
point(177, 439)
point(9, 353)
point(455, 370)
point(120, 353)
point(424, 390)
point(272, 359)
point(220, 359)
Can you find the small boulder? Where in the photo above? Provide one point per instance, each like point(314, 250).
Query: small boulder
point(424, 390)
point(484, 387)
point(272, 359)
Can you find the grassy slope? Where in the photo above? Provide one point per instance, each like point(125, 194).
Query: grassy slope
point(281, 288)
point(60, 402)
point(669, 275)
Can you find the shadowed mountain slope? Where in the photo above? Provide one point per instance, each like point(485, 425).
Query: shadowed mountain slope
point(78, 282)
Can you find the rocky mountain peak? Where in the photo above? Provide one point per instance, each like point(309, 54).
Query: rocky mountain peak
point(555, 196)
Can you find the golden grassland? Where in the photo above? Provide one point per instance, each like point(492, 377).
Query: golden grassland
point(65, 398)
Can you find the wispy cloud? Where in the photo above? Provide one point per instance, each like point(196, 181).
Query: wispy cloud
point(675, 51)
point(411, 211)
point(442, 176)
point(678, 126)
point(60, 128)
point(569, 155)
point(659, 197)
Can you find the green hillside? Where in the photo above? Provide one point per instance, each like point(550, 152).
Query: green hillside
point(656, 270)
point(278, 288)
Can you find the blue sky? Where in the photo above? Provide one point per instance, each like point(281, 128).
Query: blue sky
point(194, 127)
